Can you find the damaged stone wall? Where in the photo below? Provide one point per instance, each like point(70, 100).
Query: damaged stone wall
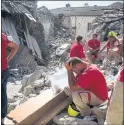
point(47, 19)
point(24, 60)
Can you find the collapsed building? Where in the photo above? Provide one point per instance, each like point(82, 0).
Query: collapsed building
point(17, 18)
point(34, 29)
point(110, 20)
point(83, 20)
point(37, 30)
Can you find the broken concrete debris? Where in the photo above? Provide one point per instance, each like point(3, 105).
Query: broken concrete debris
point(54, 48)
point(111, 20)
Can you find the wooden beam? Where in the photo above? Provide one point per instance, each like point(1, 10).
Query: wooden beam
point(51, 114)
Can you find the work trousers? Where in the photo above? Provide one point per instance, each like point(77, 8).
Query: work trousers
point(83, 99)
point(4, 76)
point(115, 109)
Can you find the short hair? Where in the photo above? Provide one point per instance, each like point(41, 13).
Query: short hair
point(79, 38)
point(95, 34)
point(74, 60)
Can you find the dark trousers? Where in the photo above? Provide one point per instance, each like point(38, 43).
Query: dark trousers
point(4, 103)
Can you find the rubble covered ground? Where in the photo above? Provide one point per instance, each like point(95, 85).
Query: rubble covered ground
point(25, 83)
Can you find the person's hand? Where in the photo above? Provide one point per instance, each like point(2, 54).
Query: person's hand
point(87, 60)
point(110, 87)
point(93, 57)
point(67, 66)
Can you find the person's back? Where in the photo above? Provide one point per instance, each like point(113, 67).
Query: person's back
point(94, 81)
point(77, 49)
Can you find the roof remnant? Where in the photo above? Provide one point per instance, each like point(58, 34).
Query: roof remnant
point(86, 10)
point(19, 7)
point(79, 11)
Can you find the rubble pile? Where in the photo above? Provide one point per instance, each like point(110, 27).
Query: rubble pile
point(58, 52)
point(110, 20)
point(55, 51)
point(31, 86)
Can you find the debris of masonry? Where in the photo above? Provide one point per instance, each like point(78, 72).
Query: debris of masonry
point(45, 38)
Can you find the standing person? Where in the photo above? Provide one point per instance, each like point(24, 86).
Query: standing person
point(111, 45)
point(94, 48)
point(88, 87)
point(77, 49)
point(115, 109)
point(7, 41)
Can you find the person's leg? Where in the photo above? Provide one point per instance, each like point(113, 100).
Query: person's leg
point(115, 109)
point(68, 92)
point(110, 55)
point(82, 99)
point(88, 55)
point(4, 77)
point(117, 58)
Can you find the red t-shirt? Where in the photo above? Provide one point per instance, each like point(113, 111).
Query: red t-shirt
point(92, 79)
point(4, 41)
point(77, 50)
point(115, 43)
point(94, 43)
point(121, 75)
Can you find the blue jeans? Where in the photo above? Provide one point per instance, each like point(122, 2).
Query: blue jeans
point(4, 103)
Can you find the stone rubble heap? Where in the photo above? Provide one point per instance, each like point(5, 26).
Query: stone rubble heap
point(110, 20)
point(32, 85)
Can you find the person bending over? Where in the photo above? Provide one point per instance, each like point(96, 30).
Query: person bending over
point(88, 87)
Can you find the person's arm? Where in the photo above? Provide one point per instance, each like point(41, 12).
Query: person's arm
point(103, 48)
point(98, 46)
point(89, 47)
point(14, 47)
point(71, 78)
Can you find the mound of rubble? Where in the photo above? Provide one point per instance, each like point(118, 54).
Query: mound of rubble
point(111, 20)
point(31, 86)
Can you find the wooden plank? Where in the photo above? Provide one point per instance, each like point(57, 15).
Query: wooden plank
point(51, 114)
point(34, 109)
point(28, 112)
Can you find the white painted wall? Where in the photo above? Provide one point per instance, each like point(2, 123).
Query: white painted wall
point(81, 24)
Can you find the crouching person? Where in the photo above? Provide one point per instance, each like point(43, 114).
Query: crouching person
point(115, 109)
point(88, 87)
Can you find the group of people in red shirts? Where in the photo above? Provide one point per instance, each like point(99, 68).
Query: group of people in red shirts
point(93, 45)
point(87, 84)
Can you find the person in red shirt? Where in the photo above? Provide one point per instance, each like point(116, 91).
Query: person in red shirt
point(77, 49)
point(112, 50)
point(88, 87)
point(94, 48)
point(114, 114)
point(6, 41)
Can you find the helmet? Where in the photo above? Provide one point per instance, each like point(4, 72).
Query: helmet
point(113, 34)
point(72, 112)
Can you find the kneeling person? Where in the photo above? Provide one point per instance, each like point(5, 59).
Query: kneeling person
point(88, 87)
